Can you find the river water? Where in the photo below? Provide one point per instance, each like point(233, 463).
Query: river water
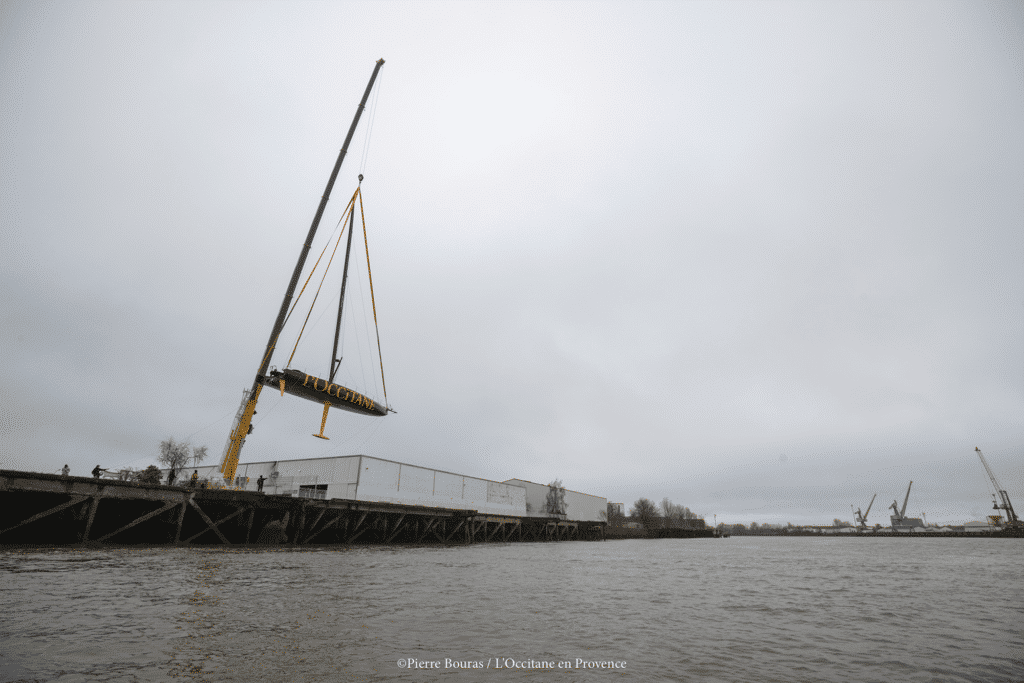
point(736, 609)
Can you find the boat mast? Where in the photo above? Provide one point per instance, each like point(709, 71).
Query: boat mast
point(243, 428)
point(335, 361)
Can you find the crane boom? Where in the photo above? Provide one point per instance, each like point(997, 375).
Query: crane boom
point(243, 419)
point(903, 510)
point(862, 518)
point(899, 514)
point(995, 482)
point(1001, 499)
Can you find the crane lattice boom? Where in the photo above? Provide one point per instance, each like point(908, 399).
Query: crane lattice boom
point(1000, 499)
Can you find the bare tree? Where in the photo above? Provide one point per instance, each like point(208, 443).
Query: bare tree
point(198, 455)
point(670, 513)
point(614, 516)
point(676, 516)
point(555, 503)
point(645, 512)
point(176, 455)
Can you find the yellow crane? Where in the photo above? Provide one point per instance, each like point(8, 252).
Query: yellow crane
point(291, 381)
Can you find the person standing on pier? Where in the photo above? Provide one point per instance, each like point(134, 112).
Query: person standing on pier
point(194, 480)
point(96, 471)
point(259, 484)
point(65, 471)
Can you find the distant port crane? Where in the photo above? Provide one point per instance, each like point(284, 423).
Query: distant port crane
point(862, 519)
point(898, 517)
point(897, 513)
point(1000, 499)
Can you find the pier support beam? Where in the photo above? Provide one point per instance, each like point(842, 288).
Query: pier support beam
point(181, 518)
point(248, 527)
point(165, 507)
point(92, 516)
point(75, 500)
point(210, 523)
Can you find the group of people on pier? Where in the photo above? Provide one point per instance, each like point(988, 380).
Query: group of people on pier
point(193, 481)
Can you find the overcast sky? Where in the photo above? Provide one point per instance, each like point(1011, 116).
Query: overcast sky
point(765, 259)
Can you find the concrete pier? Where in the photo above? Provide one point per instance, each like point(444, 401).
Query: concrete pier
point(46, 509)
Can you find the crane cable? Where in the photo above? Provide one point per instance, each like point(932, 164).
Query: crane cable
point(348, 208)
point(366, 242)
point(295, 303)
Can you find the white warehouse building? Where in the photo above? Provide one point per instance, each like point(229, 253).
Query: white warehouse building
point(579, 507)
point(370, 479)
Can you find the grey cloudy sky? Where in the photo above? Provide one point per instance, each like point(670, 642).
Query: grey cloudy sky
point(765, 259)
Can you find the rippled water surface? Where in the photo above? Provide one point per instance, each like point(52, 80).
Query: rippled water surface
point(737, 609)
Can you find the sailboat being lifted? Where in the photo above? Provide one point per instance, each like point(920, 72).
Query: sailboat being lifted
point(307, 386)
point(311, 387)
point(293, 381)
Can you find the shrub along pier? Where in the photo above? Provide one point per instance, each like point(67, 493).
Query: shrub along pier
point(48, 509)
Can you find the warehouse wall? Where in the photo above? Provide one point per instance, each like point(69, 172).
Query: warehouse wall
point(583, 507)
point(361, 477)
point(394, 482)
point(579, 507)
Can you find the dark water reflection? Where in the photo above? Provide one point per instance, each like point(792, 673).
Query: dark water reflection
point(739, 609)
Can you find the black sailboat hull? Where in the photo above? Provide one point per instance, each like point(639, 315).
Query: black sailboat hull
point(321, 391)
